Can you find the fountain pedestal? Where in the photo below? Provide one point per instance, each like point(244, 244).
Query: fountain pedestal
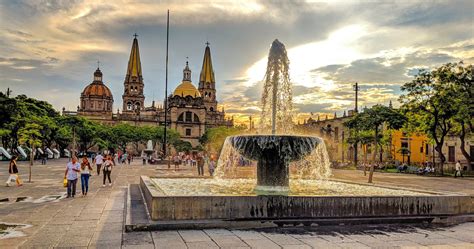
point(273, 154)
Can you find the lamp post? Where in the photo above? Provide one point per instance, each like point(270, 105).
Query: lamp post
point(356, 89)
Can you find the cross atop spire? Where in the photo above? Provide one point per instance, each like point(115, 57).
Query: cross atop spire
point(135, 35)
point(207, 44)
point(98, 64)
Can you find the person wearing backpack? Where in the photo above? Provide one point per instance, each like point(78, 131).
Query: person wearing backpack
point(108, 165)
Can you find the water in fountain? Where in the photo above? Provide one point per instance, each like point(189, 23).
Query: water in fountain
point(283, 154)
point(277, 103)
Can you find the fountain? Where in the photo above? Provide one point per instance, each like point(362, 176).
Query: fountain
point(149, 151)
point(274, 152)
point(288, 184)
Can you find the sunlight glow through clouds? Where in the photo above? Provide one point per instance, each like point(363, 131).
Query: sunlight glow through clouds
point(338, 48)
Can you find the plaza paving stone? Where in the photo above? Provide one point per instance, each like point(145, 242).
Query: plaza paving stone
point(96, 221)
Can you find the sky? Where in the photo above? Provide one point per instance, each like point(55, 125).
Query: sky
point(49, 48)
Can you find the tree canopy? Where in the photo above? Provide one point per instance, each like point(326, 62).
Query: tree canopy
point(440, 102)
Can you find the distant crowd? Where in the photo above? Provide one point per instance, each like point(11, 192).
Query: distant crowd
point(198, 160)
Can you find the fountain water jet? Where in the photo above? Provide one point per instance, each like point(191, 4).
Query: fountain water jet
point(275, 152)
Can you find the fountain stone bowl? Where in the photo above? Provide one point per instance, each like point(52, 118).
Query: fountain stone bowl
point(273, 154)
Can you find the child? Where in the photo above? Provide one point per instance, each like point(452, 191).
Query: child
point(212, 166)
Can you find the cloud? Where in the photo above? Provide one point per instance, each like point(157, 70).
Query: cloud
point(54, 44)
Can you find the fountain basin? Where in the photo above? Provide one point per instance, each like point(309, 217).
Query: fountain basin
point(164, 205)
point(273, 154)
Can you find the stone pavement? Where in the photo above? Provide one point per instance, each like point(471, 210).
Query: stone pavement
point(96, 221)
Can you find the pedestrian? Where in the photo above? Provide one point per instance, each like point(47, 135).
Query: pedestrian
point(458, 169)
point(98, 160)
point(212, 167)
point(108, 165)
point(44, 157)
point(124, 157)
point(176, 161)
point(86, 170)
point(193, 161)
point(200, 165)
point(13, 171)
point(72, 168)
point(129, 158)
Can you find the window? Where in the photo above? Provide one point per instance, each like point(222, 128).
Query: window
point(92, 104)
point(129, 106)
point(196, 118)
point(421, 149)
point(181, 117)
point(137, 106)
point(426, 149)
point(189, 116)
point(451, 154)
point(404, 145)
point(212, 109)
point(209, 95)
point(188, 132)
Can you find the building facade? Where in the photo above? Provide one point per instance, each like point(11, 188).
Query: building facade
point(408, 148)
point(190, 110)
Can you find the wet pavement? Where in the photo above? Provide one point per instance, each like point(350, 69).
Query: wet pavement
point(96, 221)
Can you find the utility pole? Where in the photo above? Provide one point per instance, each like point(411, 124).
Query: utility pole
point(73, 142)
point(166, 84)
point(356, 89)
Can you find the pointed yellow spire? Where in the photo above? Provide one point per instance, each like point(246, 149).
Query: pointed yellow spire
point(207, 72)
point(134, 64)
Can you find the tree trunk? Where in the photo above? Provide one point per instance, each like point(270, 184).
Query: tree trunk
point(462, 137)
point(439, 149)
point(374, 156)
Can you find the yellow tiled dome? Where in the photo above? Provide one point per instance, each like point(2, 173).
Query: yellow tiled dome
point(186, 88)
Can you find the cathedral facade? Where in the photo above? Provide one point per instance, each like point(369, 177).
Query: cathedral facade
point(190, 110)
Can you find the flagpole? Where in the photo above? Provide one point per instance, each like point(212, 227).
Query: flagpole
point(166, 83)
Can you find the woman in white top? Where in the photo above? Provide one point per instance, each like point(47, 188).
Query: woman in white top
point(86, 170)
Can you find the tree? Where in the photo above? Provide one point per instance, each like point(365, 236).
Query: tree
point(214, 138)
point(372, 119)
point(462, 78)
point(182, 146)
point(432, 100)
point(31, 136)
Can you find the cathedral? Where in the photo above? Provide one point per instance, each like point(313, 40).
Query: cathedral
point(190, 110)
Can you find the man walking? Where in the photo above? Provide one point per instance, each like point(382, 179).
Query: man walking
point(200, 165)
point(458, 169)
point(72, 168)
point(99, 160)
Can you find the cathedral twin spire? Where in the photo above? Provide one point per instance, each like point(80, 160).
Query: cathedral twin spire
point(134, 68)
point(207, 72)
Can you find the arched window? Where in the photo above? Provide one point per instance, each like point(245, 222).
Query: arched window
point(137, 106)
point(181, 117)
point(208, 85)
point(196, 118)
point(209, 95)
point(129, 106)
point(212, 109)
point(189, 116)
